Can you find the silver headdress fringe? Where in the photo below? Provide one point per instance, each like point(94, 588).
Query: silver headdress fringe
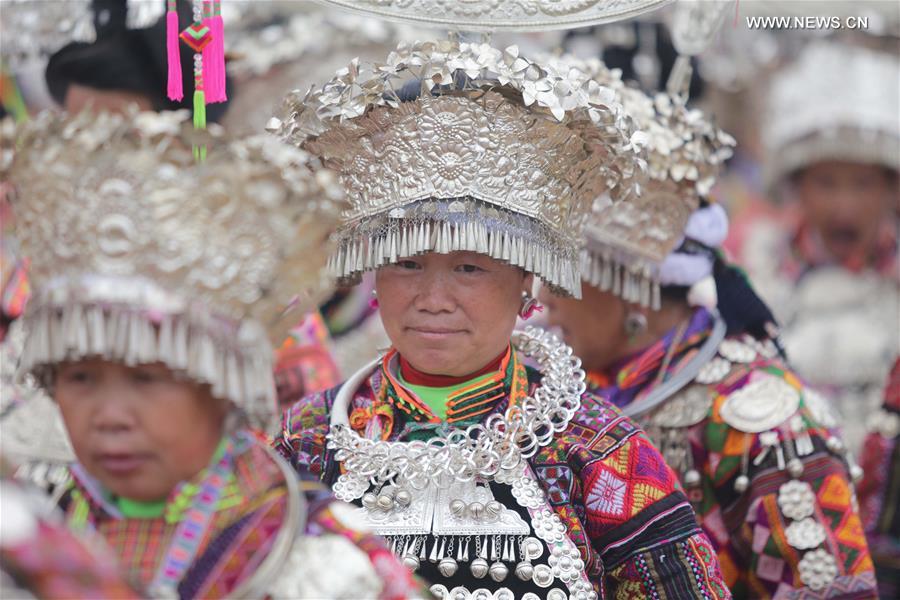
point(139, 254)
point(462, 224)
point(608, 271)
point(235, 360)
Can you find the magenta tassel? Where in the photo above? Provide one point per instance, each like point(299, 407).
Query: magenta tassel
point(174, 90)
point(209, 75)
point(217, 58)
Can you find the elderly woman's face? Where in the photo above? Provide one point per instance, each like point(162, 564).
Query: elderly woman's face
point(138, 430)
point(450, 314)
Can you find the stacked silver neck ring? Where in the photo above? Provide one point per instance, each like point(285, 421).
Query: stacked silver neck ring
point(481, 451)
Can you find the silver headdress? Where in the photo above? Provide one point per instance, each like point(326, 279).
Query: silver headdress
point(139, 255)
point(836, 102)
point(495, 155)
point(32, 31)
point(626, 242)
point(510, 15)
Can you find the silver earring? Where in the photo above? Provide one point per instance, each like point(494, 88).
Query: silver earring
point(635, 323)
point(529, 306)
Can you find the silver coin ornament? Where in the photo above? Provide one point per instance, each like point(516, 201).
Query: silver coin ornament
point(498, 571)
point(557, 594)
point(479, 568)
point(543, 576)
point(533, 548)
point(448, 567)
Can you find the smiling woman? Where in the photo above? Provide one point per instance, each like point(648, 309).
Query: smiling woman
point(450, 314)
point(489, 477)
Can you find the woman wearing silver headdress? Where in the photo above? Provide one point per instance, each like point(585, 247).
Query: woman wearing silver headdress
point(155, 297)
point(677, 339)
point(828, 265)
point(473, 449)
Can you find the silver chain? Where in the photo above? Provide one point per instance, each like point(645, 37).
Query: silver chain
point(481, 450)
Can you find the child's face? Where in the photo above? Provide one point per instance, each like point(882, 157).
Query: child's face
point(138, 430)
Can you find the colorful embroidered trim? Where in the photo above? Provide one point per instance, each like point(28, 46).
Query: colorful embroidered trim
point(196, 521)
point(471, 402)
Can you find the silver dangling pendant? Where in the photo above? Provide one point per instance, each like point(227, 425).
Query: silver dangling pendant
point(410, 561)
point(525, 570)
point(433, 557)
point(448, 567)
point(479, 568)
point(498, 571)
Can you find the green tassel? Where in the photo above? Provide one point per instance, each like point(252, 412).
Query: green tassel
point(199, 122)
point(199, 110)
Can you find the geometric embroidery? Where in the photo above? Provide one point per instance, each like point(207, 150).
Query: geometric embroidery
point(649, 465)
point(557, 481)
point(644, 495)
point(834, 493)
point(607, 494)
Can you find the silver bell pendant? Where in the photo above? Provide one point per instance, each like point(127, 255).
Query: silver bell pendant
point(525, 570)
point(448, 567)
point(498, 571)
point(410, 561)
point(479, 568)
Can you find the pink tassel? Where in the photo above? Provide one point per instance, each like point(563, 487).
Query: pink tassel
point(173, 51)
point(209, 76)
point(216, 91)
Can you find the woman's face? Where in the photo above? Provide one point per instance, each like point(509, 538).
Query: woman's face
point(138, 430)
point(593, 326)
point(846, 203)
point(450, 314)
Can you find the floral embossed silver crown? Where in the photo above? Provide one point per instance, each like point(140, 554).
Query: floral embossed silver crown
point(138, 254)
point(627, 241)
point(494, 154)
point(836, 102)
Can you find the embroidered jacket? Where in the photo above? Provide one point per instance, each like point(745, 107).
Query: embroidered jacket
point(602, 478)
point(879, 490)
point(254, 546)
point(41, 558)
point(764, 467)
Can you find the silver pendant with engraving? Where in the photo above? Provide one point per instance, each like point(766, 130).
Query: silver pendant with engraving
point(796, 499)
point(686, 408)
point(817, 569)
point(805, 534)
point(763, 404)
point(714, 371)
point(737, 351)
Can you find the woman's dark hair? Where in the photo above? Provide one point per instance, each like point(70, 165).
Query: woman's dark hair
point(130, 60)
